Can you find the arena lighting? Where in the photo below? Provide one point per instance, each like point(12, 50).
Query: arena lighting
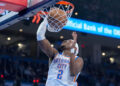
point(76, 13)
point(52, 45)
point(112, 60)
point(61, 37)
point(8, 38)
point(103, 53)
point(118, 46)
point(34, 81)
point(37, 81)
point(2, 76)
point(93, 28)
point(20, 30)
point(20, 45)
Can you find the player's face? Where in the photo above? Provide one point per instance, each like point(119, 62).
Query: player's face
point(67, 43)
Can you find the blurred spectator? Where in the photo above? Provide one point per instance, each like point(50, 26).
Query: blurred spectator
point(21, 70)
point(24, 70)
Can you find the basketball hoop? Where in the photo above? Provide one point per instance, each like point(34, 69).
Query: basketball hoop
point(65, 6)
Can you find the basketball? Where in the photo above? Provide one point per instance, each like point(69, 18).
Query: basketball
point(57, 18)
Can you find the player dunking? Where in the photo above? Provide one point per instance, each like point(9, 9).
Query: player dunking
point(66, 65)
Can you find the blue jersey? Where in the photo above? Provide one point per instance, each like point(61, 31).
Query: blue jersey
point(59, 72)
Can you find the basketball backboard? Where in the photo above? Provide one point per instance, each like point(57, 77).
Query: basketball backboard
point(8, 18)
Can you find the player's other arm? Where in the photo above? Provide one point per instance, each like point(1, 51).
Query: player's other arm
point(76, 65)
point(43, 43)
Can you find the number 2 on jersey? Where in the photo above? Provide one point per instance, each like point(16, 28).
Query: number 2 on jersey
point(60, 73)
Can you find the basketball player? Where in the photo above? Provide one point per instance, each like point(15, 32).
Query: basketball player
point(66, 65)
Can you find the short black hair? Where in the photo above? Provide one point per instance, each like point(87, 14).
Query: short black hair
point(61, 48)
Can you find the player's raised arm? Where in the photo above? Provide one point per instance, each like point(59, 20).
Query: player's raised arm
point(43, 43)
point(76, 63)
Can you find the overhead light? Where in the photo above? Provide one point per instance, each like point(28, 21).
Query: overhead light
point(21, 30)
point(61, 37)
point(8, 38)
point(103, 54)
point(118, 46)
point(20, 45)
point(52, 45)
point(76, 13)
point(112, 60)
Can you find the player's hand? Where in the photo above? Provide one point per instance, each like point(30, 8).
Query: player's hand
point(74, 35)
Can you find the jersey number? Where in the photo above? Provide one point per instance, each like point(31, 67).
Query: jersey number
point(60, 73)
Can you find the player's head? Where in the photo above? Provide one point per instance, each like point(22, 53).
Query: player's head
point(68, 45)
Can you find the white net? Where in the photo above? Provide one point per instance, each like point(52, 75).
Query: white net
point(57, 15)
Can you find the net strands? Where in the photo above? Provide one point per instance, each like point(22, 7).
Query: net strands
point(55, 25)
point(64, 5)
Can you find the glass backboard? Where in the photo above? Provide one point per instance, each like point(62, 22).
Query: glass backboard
point(8, 18)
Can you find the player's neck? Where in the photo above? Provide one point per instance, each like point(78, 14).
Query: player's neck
point(66, 52)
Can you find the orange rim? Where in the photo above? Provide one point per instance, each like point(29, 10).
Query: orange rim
point(45, 13)
point(67, 3)
point(63, 3)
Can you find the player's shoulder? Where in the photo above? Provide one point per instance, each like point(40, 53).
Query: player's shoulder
point(57, 54)
point(76, 57)
point(79, 60)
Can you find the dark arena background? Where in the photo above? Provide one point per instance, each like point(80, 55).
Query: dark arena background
point(97, 23)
